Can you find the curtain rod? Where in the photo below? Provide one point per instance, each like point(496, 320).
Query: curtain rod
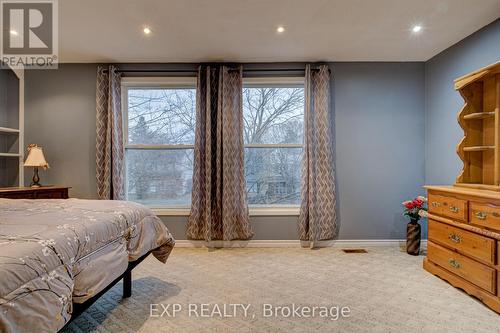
point(196, 71)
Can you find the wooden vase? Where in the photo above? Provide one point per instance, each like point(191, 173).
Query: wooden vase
point(413, 232)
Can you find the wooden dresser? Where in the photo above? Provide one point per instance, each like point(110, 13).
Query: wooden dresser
point(464, 219)
point(44, 192)
point(464, 240)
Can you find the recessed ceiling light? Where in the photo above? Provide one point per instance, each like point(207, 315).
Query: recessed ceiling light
point(416, 28)
point(14, 32)
point(280, 29)
point(147, 30)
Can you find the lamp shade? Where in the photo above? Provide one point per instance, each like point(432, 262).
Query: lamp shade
point(35, 157)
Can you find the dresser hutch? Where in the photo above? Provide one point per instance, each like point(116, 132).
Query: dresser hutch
point(464, 219)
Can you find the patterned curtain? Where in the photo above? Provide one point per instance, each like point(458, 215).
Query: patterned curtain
point(318, 217)
point(219, 208)
point(109, 142)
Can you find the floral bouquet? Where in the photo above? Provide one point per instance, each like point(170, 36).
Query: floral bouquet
point(416, 208)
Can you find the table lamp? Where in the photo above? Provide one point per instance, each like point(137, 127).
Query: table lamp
point(35, 159)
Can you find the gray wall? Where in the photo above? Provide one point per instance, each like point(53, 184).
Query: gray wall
point(379, 111)
point(264, 227)
point(442, 102)
point(60, 116)
point(379, 142)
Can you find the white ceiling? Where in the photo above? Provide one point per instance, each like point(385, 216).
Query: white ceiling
point(245, 30)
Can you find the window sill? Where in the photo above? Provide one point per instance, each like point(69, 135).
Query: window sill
point(253, 211)
point(274, 211)
point(177, 211)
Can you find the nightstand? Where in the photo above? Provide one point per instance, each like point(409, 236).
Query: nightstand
point(44, 192)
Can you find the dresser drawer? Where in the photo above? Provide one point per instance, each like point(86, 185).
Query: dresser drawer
point(44, 192)
point(448, 206)
point(50, 195)
point(469, 269)
point(17, 195)
point(466, 242)
point(485, 215)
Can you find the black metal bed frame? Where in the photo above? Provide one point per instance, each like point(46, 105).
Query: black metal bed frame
point(79, 308)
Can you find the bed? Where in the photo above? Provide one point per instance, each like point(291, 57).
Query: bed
point(56, 256)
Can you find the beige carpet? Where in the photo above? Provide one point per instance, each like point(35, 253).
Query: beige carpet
point(385, 289)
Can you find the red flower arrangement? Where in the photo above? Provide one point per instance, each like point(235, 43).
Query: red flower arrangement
point(415, 208)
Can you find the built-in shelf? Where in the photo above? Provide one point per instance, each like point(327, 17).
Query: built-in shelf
point(8, 130)
point(478, 148)
point(479, 115)
point(9, 155)
point(11, 128)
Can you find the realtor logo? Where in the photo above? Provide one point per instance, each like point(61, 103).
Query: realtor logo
point(29, 34)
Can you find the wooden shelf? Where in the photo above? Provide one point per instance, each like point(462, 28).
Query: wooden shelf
point(9, 155)
point(479, 115)
point(478, 148)
point(476, 76)
point(479, 186)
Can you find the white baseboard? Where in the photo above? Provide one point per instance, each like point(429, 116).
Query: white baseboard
point(342, 243)
point(238, 244)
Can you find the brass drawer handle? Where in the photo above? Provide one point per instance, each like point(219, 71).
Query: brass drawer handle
point(455, 238)
point(481, 215)
point(454, 209)
point(436, 204)
point(453, 263)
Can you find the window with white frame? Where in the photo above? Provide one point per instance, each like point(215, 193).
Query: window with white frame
point(273, 112)
point(159, 126)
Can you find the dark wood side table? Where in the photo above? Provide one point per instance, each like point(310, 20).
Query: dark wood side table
point(44, 192)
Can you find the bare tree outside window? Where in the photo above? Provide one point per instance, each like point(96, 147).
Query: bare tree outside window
point(274, 122)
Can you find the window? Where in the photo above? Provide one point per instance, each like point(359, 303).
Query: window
point(273, 112)
point(159, 126)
